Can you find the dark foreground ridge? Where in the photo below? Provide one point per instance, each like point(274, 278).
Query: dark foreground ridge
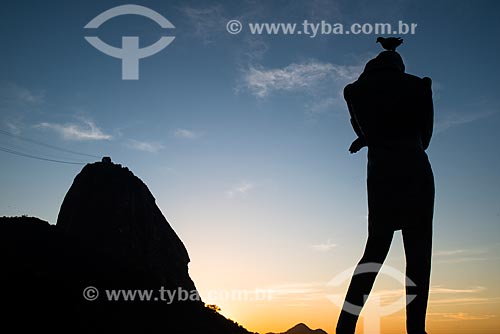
point(110, 234)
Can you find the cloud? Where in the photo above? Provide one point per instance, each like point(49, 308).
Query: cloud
point(310, 291)
point(185, 133)
point(325, 247)
point(241, 189)
point(450, 252)
point(151, 147)
point(461, 255)
point(13, 128)
point(449, 316)
point(463, 259)
point(13, 94)
point(299, 291)
point(305, 77)
point(319, 9)
point(252, 51)
point(209, 24)
point(206, 23)
point(465, 301)
point(322, 106)
point(442, 290)
point(460, 296)
point(86, 131)
point(441, 295)
point(450, 119)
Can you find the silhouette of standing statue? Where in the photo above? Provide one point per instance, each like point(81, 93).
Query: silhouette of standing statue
point(392, 114)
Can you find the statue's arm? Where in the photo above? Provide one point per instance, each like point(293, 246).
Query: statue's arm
point(428, 116)
point(359, 142)
point(354, 122)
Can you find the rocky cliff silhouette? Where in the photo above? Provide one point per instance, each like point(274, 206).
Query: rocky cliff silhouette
point(110, 234)
point(110, 208)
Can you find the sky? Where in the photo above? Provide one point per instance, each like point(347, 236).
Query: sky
point(243, 140)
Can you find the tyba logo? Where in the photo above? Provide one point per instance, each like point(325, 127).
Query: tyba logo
point(129, 53)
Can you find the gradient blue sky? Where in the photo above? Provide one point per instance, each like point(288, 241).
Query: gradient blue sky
point(243, 139)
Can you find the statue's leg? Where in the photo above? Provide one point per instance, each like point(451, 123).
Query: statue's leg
point(377, 247)
point(418, 250)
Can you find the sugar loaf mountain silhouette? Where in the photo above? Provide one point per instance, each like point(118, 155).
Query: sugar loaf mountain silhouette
point(110, 234)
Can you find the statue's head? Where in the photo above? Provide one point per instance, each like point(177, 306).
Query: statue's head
point(386, 60)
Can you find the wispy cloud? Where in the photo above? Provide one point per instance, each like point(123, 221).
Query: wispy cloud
point(299, 291)
point(145, 146)
point(450, 119)
point(450, 252)
point(13, 94)
point(207, 23)
point(463, 259)
point(320, 84)
point(461, 255)
point(324, 247)
point(305, 77)
point(319, 9)
point(450, 316)
point(13, 128)
point(464, 301)
point(87, 130)
point(241, 189)
point(188, 134)
point(252, 50)
point(322, 106)
point(441, 295)
point(443, 290)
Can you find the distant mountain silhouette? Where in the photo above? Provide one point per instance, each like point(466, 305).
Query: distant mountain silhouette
point(302, 329)
point(111, 235)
